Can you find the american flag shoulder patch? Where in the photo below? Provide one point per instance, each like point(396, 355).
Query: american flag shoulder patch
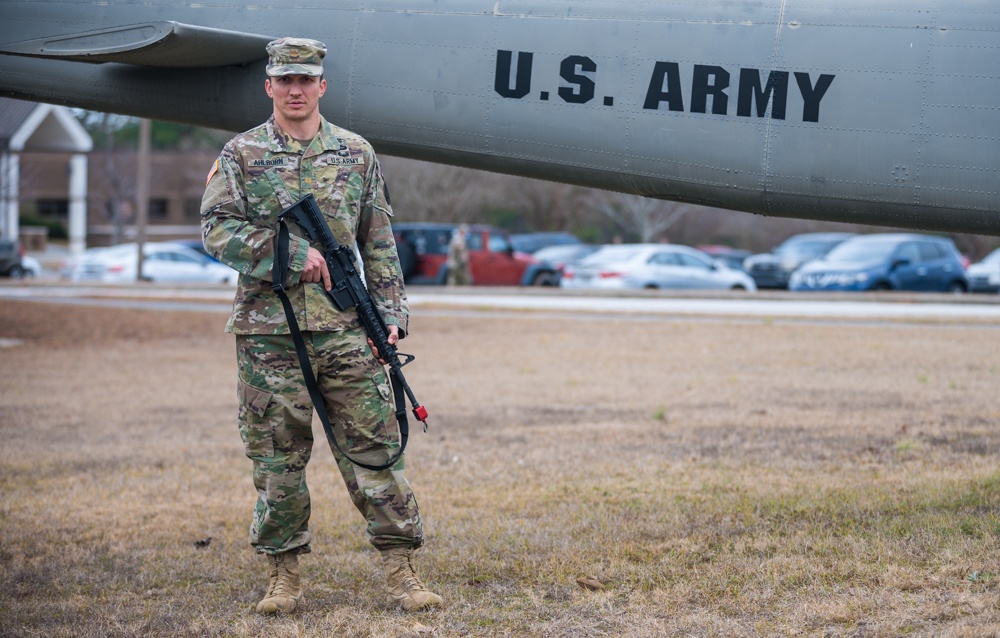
point(215, 168)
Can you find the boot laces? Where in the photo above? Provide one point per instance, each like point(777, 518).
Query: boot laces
point(411, 582)
point(280, 584)
point(272, 581)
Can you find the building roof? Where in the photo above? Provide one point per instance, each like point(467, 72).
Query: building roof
point(13, 114)
point(41, 127)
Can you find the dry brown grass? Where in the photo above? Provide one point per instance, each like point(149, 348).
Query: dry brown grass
point(720, 479)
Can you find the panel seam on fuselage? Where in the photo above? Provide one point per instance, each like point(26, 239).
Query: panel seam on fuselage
point(766, 168)
point(487, 98)
point(921, 136)
point(349, 125)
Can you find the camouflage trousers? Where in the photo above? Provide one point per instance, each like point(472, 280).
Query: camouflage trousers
point(275, 422)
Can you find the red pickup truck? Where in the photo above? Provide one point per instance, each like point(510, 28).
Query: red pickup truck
point(423, 255)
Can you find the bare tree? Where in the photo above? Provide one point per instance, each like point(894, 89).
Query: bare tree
point(549, 205)
point(117, 185)
point(642, 216)
point(422, 191)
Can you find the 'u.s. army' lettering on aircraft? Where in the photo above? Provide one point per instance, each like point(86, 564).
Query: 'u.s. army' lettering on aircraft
point(881, 112)
point(707, 81)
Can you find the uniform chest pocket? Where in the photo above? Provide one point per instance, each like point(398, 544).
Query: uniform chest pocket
point(268, 193)
point(339, 199)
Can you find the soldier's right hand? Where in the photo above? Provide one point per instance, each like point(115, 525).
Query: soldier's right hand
point(316, 270)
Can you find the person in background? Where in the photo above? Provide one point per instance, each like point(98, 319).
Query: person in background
point(458, 258)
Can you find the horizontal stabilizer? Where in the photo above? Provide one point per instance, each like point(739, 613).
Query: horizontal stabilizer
point(161, 44)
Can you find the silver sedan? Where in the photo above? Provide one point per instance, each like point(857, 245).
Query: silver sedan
point(651, 266)
point(164, 262)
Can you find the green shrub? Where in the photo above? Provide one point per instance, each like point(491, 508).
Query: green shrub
point(57, 230)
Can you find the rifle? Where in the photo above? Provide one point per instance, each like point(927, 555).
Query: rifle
point(348, 291)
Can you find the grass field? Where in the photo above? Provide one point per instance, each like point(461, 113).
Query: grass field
point(716, 478)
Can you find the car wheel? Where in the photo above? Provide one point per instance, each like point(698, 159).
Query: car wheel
point(651, 287)
point(16, 272)
point(881, 287)
point(545, 279)
point(956, 288)
point(739, 288)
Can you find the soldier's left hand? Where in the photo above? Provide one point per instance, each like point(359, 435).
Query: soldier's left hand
point(393, 337)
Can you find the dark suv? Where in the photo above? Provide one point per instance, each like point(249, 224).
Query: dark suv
point(773, 269)
point(11, 254)
point(423, 255)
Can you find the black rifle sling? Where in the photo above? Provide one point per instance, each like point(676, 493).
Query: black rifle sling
point(279, 273)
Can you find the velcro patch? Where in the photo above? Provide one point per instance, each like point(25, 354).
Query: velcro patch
point(345, 161)
point(215, 168)
point(268, 163)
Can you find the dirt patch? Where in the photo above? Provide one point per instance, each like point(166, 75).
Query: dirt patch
point(49, 325)
point(737, 479)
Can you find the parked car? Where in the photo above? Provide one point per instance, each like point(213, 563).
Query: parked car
point(772, 270)
point(533, 242)
point(423, 255)
point(984, 276)
point(733, 257)
point(11, 254)
point(886, 261)
point(166, 262)
point(653, 266)
point(565, 255)
point(561, 256)
point(32, 267)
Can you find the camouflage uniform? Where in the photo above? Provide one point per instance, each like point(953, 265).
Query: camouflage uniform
point(458, 258)
point(259, 173)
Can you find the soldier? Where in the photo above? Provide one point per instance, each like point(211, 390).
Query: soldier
point(458, 258)
point(259, 173)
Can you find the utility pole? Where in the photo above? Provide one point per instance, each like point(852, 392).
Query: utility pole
point(142, 191)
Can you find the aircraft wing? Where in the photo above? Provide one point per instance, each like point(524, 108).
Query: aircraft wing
point(159, 44)
point(882, 112)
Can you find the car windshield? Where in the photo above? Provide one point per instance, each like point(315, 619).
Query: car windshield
point(803, 249)
point(863, 250)
point(611, 254)
point(559, 253)
point(993, 258)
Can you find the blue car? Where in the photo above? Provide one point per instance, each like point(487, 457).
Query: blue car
point(886, 261)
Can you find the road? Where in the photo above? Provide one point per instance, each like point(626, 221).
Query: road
point(858, 307)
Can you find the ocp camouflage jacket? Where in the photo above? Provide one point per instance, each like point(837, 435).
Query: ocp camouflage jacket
point(261, 172)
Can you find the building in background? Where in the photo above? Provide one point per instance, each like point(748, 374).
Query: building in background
point(50, 174)
point(176, 185)
point(29, 130)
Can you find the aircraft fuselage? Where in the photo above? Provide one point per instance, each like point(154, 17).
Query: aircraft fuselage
point(882, 112)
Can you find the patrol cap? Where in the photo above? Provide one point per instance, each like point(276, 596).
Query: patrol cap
point(295, 56)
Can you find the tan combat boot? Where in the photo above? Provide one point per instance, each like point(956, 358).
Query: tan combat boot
point(402, 583)
point(284, 591)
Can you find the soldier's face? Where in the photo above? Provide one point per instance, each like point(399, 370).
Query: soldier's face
point(295, 97)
